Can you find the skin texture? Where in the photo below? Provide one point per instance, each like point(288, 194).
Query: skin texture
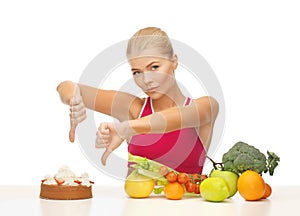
point(155, 75)
point(70, 94)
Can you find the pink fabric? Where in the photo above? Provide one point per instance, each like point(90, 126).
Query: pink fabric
point(181, 150)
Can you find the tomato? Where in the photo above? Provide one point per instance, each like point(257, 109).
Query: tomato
point(195, 177)
point(182, 178)
point(171, 177)
point(202, 177)
point(190, 187)
point(197, 189)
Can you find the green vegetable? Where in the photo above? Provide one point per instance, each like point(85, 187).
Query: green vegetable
point(272, 162)
point(242, 157)
point(148, 168)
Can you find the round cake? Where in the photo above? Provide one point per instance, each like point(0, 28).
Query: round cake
point(65, 185)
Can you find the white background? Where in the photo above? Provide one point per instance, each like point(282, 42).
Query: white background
point(252, 46)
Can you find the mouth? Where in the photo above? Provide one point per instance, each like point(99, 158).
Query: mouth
point(152, 89)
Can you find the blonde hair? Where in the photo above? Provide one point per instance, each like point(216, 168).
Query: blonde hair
point(150, 40)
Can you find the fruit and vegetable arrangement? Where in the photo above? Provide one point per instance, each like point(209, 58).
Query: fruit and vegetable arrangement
point(240, 171)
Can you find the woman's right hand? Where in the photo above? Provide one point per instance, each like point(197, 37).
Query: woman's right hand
point(70, 94)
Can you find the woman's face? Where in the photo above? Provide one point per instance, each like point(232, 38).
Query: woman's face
point(154, 75)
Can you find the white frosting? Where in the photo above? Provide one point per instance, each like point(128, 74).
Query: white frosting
point(68, 177)
point(49, 180)
point(65, 173)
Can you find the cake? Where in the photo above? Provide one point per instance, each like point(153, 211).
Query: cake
point(65, 185)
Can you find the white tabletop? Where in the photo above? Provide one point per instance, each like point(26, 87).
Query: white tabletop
point(24, 200)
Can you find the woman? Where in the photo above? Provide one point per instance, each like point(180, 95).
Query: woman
point(166, 126)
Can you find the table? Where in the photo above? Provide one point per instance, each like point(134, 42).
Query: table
point(112, 201)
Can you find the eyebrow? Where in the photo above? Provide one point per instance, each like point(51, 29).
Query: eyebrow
point(151, 63)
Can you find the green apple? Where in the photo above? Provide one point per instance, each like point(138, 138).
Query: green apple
point(214, 189)
point(230, 178)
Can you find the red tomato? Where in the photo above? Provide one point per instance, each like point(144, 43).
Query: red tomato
point(197, 189)
point(182, 178)
point(202, 176)
point(195, 177)
point(189, 178)
point(190, 187)
point(171, 177)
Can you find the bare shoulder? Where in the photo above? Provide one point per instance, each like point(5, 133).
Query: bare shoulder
point(208, 104)
point(136, 107)
point(211, 101)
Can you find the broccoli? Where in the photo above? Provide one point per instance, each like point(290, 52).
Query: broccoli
point(242, 157)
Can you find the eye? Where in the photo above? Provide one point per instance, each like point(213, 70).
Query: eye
point(135, 73)
point(154, 67)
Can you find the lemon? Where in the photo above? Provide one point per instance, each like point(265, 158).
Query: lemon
point(214, 189)
point(138, 186)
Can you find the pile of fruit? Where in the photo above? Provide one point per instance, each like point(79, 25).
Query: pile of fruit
point(240, 171)
point(180, 183)
point(150, 176)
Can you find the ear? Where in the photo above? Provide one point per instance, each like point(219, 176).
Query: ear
point(175, 62)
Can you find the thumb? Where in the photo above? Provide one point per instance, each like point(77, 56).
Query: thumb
point(72, 131)
point(77, 93)
point(105, 155)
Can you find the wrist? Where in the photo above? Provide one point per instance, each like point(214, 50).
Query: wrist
point(125, 131)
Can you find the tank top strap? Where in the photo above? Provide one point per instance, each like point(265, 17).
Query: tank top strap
point(187, 101)
point(147, 108)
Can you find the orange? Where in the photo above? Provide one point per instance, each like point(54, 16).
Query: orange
point(174, 191)
point(251, 185)
point(268, 191)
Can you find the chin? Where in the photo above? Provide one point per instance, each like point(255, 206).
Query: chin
point(154, 95)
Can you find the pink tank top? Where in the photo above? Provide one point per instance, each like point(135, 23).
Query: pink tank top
point(181, 150)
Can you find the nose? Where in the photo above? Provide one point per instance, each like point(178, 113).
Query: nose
point(147, 78)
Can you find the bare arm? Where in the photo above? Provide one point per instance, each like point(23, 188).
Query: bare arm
point(201, 112)
point(120, 105)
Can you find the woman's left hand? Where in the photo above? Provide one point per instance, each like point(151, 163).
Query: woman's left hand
point(108, 136)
